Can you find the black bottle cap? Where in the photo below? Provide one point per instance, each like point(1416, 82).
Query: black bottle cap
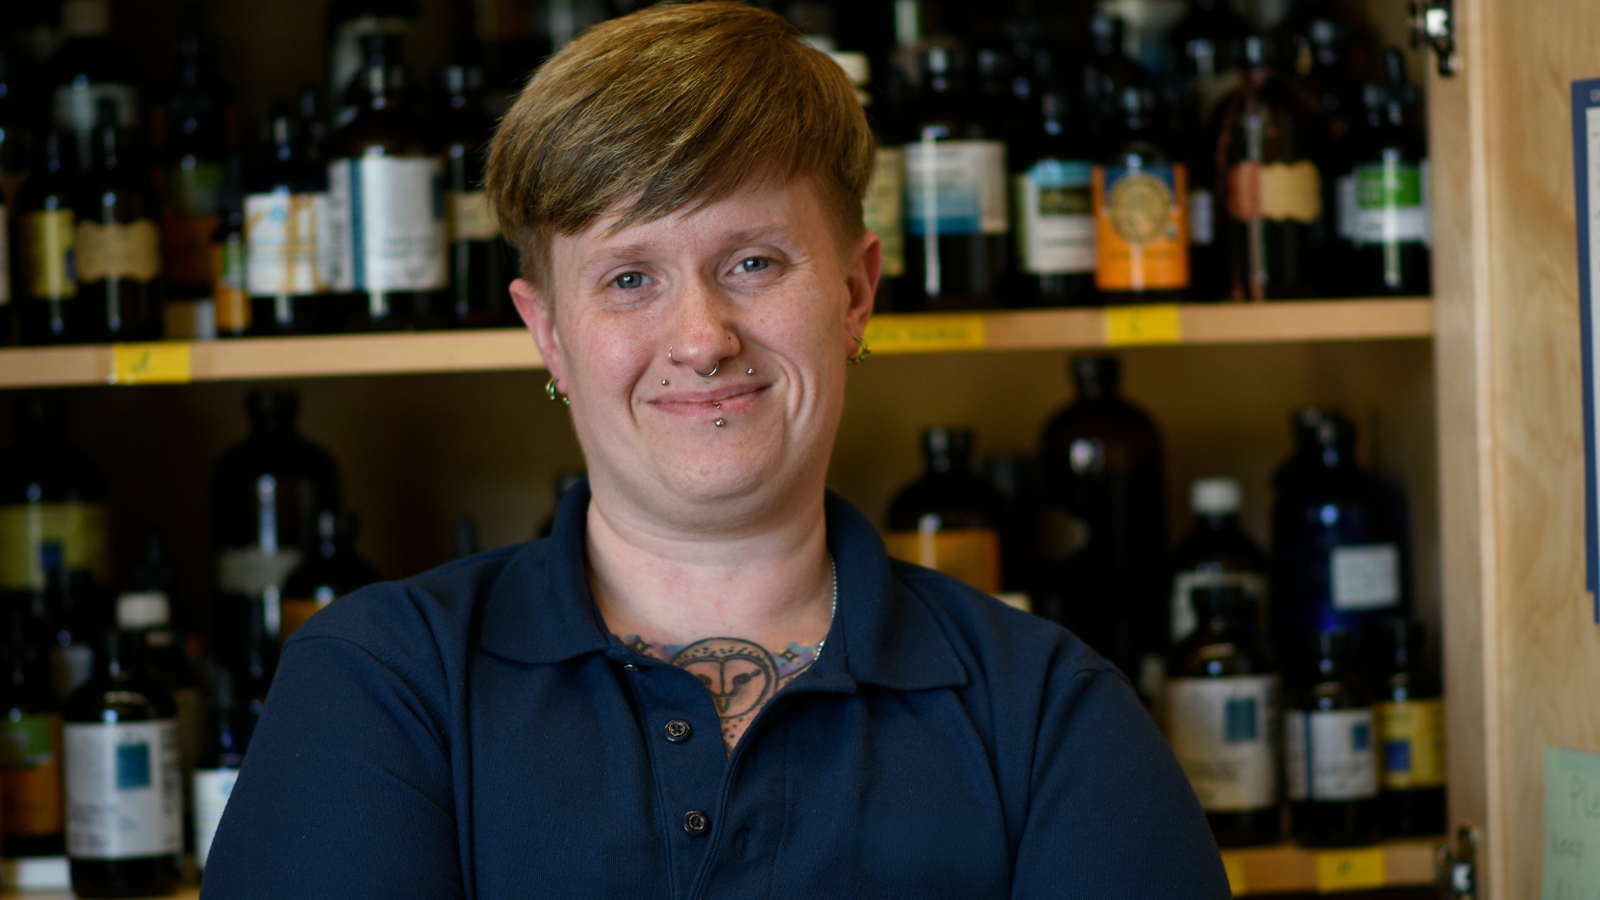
point(947, 448)
point(273, 409)
point(41, 418)
point(1096, 376)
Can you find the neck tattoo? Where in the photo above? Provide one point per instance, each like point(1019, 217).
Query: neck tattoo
point(741, 675)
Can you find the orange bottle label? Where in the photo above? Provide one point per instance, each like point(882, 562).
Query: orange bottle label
point(970, 554)
point(1141, 228)
point(30, 774)
point(228, 293)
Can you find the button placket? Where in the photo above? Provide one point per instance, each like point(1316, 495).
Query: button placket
point(696, 822)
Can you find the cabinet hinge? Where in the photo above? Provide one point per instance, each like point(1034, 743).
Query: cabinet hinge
point(1433, 24)
point(1458, 868)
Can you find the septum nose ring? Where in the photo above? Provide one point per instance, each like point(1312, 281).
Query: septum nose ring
point(694, 370)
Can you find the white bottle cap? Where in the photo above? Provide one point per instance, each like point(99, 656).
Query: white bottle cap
point(86, 18)
point(855, 65)
point(1215, 497)
point(145, 609)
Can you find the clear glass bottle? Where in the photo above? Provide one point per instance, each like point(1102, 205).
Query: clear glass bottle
point(1222, 715)
point(1216, 553)
point(123, 786)
point(1330, 751)
point(949, 518)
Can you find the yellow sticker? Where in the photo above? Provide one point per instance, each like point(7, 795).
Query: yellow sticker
point(1234, 866)
point(1132, 325)
point(926, 333)
point(163, 363)
point(1351, 870)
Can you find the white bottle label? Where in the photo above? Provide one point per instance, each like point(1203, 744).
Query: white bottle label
point(391, 223)
point(1223, 731)
point(956, 187)
point(1055, 217)
point(1365, 577)
point(123, 789)
point(1185, 620)
point(285, 242)
point(1202, 218)
point(1329, 755)
point(1347, 194)
point(212, 787)
point(470, 217)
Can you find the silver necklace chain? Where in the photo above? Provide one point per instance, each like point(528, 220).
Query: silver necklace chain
point(834, 611)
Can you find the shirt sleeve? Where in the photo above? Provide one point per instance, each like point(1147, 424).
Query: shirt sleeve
point(1111, 814)
point(345, 792)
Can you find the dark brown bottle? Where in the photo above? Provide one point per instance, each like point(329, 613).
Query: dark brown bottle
point(1053, 184)
point(1141, 205)
point(1102, 529)
point(385, 192)
point(1215, 553)
point(482, 262)
point(266, 494)
point(334, 570)
point(949, 518)
point(1330, 753)
point(123, 785)
point(118, 242)
point(30, 754)
point(286, 220)
point(1270, 188)
point(46, 257)
point(1222, 715)
point(1410, 723)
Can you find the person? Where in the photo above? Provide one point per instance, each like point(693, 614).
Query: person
point(709, 680)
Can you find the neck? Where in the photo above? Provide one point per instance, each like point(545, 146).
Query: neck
point(771, 585)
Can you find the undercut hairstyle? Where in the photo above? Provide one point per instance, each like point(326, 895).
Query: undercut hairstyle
point(671, 108)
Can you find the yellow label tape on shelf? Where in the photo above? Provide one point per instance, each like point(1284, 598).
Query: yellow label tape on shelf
point(1234, 866)
point(1128, 326)
point(163, 363)
point(927, 333)
point(1351, 870)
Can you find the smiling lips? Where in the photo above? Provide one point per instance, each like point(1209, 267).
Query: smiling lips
point(723, 401)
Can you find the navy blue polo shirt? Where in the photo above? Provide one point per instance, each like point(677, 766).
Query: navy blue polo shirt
point(475, 732)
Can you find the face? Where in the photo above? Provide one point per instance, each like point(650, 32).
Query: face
point(755, 289)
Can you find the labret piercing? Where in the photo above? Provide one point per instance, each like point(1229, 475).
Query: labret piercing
point(719, 423)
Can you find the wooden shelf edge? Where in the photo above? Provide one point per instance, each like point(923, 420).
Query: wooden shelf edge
point(1288, 868)
point(507, 349)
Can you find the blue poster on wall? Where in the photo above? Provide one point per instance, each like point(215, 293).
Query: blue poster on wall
point(1586, 172)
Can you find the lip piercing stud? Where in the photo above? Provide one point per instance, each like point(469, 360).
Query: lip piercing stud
point(716, 406)
point(749, 371)
point(719, 423)
point(663, 382)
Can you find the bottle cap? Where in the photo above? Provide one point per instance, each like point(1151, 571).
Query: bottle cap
point(1215, 497)
point(142, 610)
point(954, 444)
point(86, 18)
point(856, 67)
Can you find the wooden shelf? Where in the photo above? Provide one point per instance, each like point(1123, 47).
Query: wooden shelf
point(1288, 868)
point(512, 348)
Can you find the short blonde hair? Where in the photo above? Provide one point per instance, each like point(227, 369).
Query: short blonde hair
point(674, 107)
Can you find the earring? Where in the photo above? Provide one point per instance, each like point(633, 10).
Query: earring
point(554, 393)
point(863, 353)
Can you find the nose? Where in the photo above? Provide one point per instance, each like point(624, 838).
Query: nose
point(704, 334)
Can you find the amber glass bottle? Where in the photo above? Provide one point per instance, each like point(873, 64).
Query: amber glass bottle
point(949, 518)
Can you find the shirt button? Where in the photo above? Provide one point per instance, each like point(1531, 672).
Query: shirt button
point(678, 730)
point(696, 822)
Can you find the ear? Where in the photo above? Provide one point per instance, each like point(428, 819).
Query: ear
point(536, 314)
point(863, 267)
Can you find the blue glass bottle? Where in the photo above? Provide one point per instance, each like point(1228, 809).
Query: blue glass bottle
point(1339, 540)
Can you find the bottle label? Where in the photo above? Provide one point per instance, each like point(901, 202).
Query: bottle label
point(470, 217)
point(1223, 731)
point(1348, 192)
point(1329, 755)
point(1055, 217)
point(1365, 577)
point(48, 239)
point(1185, 620)
point(249, 571)
point(212, 787)
point(189, 219)
point(1202, 218)
point(969, 554)
point(883, 208)
point(78, 529)
point(1392, 203)
point(124, 797)
point(70, 667)
point(392, 229)
point(1142, 235)
point(956, 188)
point(286, 243)
point(130, 250)
point(77, 108)
point(1412, 736)
point(1277, 192)
point(30, 774)
point(228, 295)
point(5, 254)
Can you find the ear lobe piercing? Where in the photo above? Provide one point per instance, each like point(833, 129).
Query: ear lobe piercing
point(552, 391)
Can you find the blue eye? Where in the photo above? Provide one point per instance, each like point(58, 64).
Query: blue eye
point(629, 280)
point(755, 264)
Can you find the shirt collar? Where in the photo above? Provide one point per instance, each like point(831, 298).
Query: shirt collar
point(540, 609)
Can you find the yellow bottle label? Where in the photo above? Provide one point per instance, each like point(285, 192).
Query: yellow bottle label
point(1277, 192)
point(970, 554)
point(884, 210)
point(78, 528)
point(48, 240)
point(228, 294)
point(30, 774)
point(130, 250)
point(1412, 738)
point(471, 219)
